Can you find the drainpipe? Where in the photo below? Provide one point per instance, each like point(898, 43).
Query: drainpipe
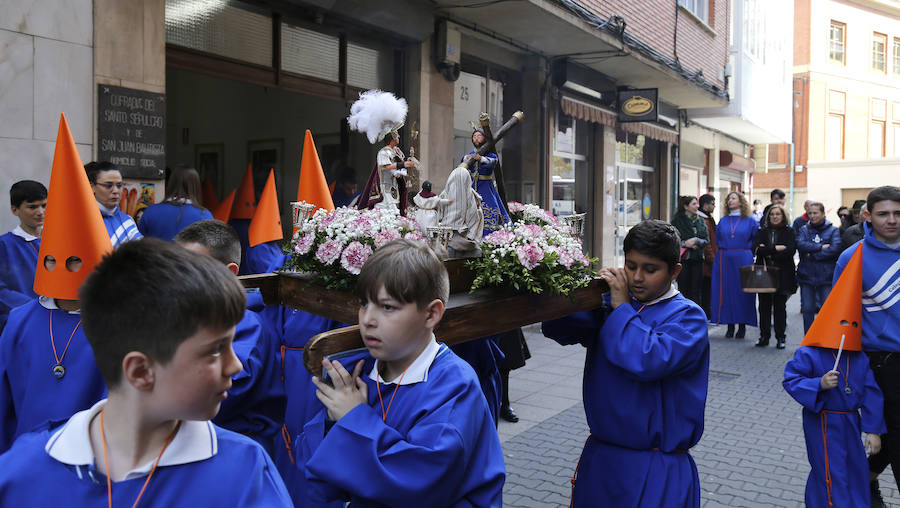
point(791, 192)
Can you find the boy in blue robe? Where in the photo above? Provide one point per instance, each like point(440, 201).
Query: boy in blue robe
point(19, 248)
point(256, 401)
point(830, 377)
point(106, 182)
point(47, 368)
point(164, 349)
point(414, 430)
point(645, 380)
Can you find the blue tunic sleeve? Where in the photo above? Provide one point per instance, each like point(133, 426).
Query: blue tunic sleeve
point(7, 407)
point(579, 328)
point(801, 381)
point(426, 465)
point(873, 401)
point(650, 354)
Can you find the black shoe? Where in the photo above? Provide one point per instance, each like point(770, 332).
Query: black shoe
point(742, 330)
point(730, 332)
point(762, 342)
point(780, 343)
point(877, 500)
point(508, 414)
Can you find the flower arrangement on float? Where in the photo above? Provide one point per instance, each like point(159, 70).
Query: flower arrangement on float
point(333, 246)
point(534, 253)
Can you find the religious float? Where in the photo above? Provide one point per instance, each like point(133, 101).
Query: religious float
point(531, 269)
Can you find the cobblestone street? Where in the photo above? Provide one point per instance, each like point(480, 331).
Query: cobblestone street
point(752, 452)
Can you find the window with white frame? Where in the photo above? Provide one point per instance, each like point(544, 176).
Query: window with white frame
point(699, 8)
point(837, 42)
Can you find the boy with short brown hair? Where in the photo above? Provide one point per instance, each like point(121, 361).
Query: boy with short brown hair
point(415, 430)
point(160, 320)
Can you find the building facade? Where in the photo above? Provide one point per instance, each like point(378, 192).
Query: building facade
point(846, 103)
point(237, 83)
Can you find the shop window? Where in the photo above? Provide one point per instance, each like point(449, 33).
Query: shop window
point(837, 41)
point(310, 53)
point(699, 8)
point(231, 29)
point(571, 178)
point(879, 47)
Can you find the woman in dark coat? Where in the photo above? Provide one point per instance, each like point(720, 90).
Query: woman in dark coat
point(694, 237)
point(775, 243)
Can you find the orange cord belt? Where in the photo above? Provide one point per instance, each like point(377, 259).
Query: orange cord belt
point(285, 434)
point(823, 415)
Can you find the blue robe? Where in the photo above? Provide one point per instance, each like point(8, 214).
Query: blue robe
point(18, 261)
point(242, 227)
point(30, 395)
point(484, 356)
point(495, 214)
point(120, 227)
point(294, 328)
point(438, 446)
point(645, 383)
point(265, 257)
point(256, 401)
point(239, 474)
point(863, 410)
point(734, 239)
point(165, 220)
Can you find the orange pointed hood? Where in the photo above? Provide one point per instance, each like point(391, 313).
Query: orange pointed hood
point(313, 187)
point(266, 223)
point(210, 200)
point(223, 210)
point(245, 200)
point(73, 227)
point(841, 314)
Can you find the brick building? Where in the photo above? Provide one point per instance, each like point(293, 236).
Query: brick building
point(846, 103)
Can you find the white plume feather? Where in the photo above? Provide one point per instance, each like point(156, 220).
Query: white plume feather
point(376, 112)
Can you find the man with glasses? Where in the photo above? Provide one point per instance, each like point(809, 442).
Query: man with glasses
point(106, 182)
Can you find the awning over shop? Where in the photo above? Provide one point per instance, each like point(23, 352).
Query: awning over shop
point(591, 113)
point(731, 160)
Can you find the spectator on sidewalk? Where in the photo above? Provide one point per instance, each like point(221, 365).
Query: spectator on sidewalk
point(692, 230)
point(803, 220)
point(881, 316)
point(819, 245)
point(855, 232)
point(843, 214)
point(777, 198)
point(775, 244)
point(735, 234)
point(707, 208)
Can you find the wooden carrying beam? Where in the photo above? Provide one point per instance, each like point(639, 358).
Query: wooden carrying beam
point(468, 316)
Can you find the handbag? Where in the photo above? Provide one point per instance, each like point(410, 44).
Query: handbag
point(759, 278)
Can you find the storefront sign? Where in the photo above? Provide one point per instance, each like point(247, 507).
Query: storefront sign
point(131, 131)
point(637, 105)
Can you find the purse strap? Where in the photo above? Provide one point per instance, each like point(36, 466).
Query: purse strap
point(756, 255)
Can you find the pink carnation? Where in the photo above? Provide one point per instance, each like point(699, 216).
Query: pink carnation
point(385, 236)
point(499, 237)
point(529, 255)
point(354, 257)
point(304, 243)
point(532, 231)
point(408, 223)
point(328, 252)
point(412, 235)
point(515, 207)
point(565, 259)
point(362, 226)
point(326, 221)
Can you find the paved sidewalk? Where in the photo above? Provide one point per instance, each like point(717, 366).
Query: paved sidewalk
point(752, 452)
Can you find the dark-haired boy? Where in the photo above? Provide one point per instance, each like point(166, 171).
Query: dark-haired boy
point(106, 182)
point(415, 429)
point(19, 248)
point(645, 380)
point(166, 356)
point(256, 400)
